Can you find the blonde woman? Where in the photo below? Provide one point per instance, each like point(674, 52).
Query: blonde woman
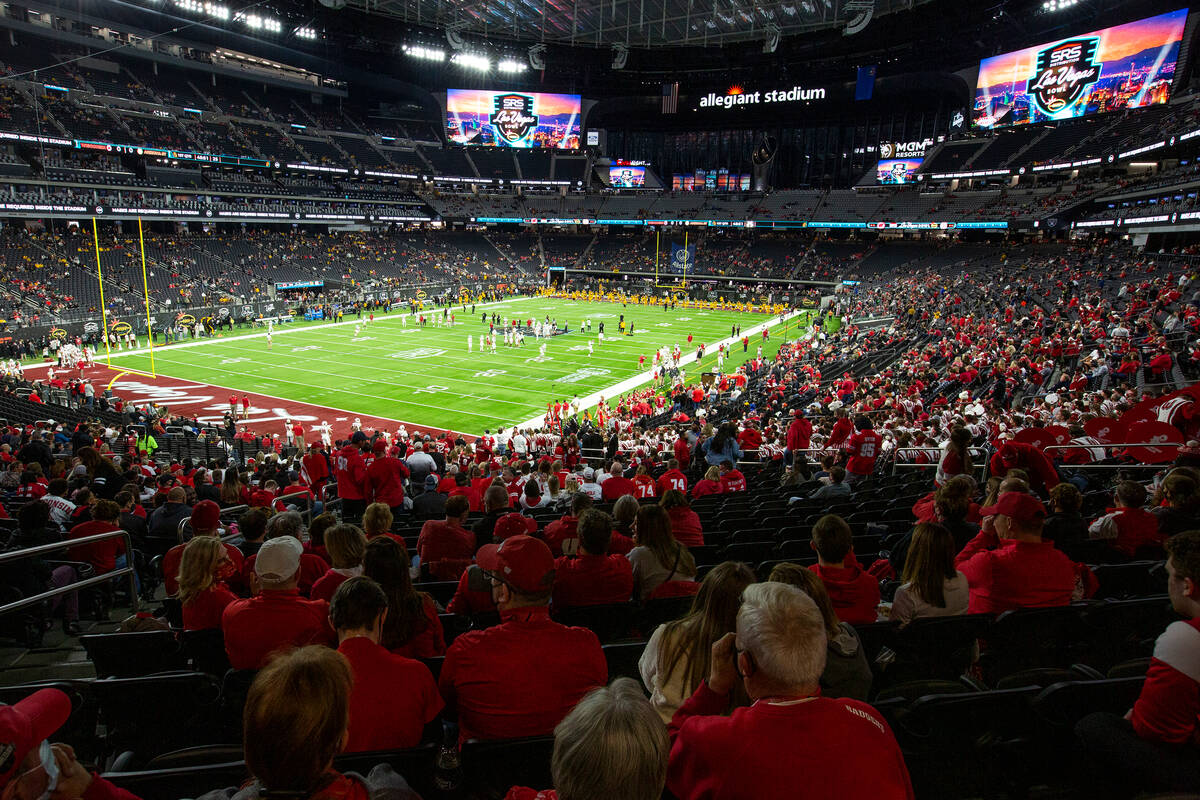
point(203, 596)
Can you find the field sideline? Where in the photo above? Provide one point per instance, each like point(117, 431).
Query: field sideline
point(427, 376)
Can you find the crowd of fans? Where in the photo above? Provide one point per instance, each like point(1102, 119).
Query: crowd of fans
point(946, 366)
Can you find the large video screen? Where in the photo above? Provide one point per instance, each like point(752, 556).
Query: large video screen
point(623, 176)
point(897, 170)
point(1126, 66)
point(512, 119)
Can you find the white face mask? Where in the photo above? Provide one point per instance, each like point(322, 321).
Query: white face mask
point(50, 767)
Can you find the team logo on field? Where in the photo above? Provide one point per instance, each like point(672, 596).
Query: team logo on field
point(513, 117)
point(1064, 71)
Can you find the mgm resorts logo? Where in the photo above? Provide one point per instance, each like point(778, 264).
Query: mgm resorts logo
point(904, 149)
point(513, 117)
point(1064, 71)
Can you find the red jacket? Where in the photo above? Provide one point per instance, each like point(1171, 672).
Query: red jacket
point(818, 748)
point(1127, 529)
point(521, 677)
point(1168, 709)
point(799, 434)
point(733, 481)
point(258, 626)
point(385, 481)
point(351, 474)
point(854, 592)
point(1018, 574)
point(587, 580)
point(1041, 472)
point(392, 701)
point(683, 453)
point(705, 486)
point(441, 541)
point(686, 527)
point(643, 487)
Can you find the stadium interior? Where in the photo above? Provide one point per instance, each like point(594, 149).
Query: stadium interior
point(964, 242)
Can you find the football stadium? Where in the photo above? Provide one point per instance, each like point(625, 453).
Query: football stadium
point(639, 399)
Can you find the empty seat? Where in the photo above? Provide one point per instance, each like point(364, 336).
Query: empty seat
point(128, 655)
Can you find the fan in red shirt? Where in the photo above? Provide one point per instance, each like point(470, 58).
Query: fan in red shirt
point(351, 476)
point(445, 547)
point(682, 451)
point(592, 576)
point(206, 521)
point(685, 523)
point(643, 484)
point(1011, 455)
point(732, 479)
point(853, 591)
point(385, 478)
point(277, 617)
point(1009, 566)
point(862, 450)
point(799, 436)
point(1154, 747)
point(521, 677)
point(709, 484)
point(673, 478)
point(750, 438)
point(202, 594)
point(105, 554)
point(790, 742)
point(395, 703)
point(616, 485)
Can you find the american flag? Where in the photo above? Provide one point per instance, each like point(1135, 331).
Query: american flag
point(670, 97)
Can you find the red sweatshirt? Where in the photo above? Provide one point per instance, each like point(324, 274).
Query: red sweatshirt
point(854, 593)
point(588, 580)
point(351, 474)
point(817, 748)
point(1018, 574)
point(1168, 709)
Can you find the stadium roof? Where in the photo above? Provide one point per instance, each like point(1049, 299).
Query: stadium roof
point(635, 23)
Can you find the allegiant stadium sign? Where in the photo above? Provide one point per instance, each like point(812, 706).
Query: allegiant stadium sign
point(737, 96)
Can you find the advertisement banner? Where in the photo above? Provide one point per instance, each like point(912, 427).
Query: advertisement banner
point(1114, 69)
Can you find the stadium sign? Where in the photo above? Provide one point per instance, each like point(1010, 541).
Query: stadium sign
point(58, 333)
point(121, 328)
point(91, 327)
point(914, 149)
point(737, 96)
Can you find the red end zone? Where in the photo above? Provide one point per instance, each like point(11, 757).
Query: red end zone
point(208, 404)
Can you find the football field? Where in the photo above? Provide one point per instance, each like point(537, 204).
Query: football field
point(394, 369)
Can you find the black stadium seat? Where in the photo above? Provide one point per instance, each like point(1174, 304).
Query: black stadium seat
point(128, 655)
point(492, 767)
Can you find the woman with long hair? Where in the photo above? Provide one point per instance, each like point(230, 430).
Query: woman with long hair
point(233, 490)
point(956, 460)
point(679, 654)
point(658, 557)
point(202, 595)
point(723, 446)
point(412, 627)
point(685, 523)
point(847, 673)
point(104, 478)
point(290, 745)
point(624, 514)
point(932, 586)
point(1180, 496)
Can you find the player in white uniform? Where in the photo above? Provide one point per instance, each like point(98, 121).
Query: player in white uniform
point(589, 348)
point(481, 339)
point(542, 350)
point(268, 338)
point(469, 340)
point(326, 434)
point(492, 342)
point(357, 330)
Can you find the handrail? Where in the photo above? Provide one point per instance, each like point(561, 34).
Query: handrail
point(28, 552)
point(1113, 445)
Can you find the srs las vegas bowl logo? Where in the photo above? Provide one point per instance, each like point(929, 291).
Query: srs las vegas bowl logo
point(1064, 71)
point(513, 117)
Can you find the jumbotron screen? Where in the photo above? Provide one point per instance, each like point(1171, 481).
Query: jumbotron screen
point(897, 170)
point(492, 118)
point(1122, 67)
point(624, 176)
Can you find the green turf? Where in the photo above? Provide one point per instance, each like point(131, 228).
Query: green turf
point(427, 377)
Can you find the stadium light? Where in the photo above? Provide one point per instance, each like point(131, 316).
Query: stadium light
point(425, 53)
point(259, 22)
point(473, 61)
point(306, 33)
point(1050, 6)
point(508, 65)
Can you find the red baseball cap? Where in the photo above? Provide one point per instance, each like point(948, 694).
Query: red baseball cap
point(1022, 507)
point(26, 724)
point(206, 515)
point(379, 446)
point(513, 524)
point(521, 561)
